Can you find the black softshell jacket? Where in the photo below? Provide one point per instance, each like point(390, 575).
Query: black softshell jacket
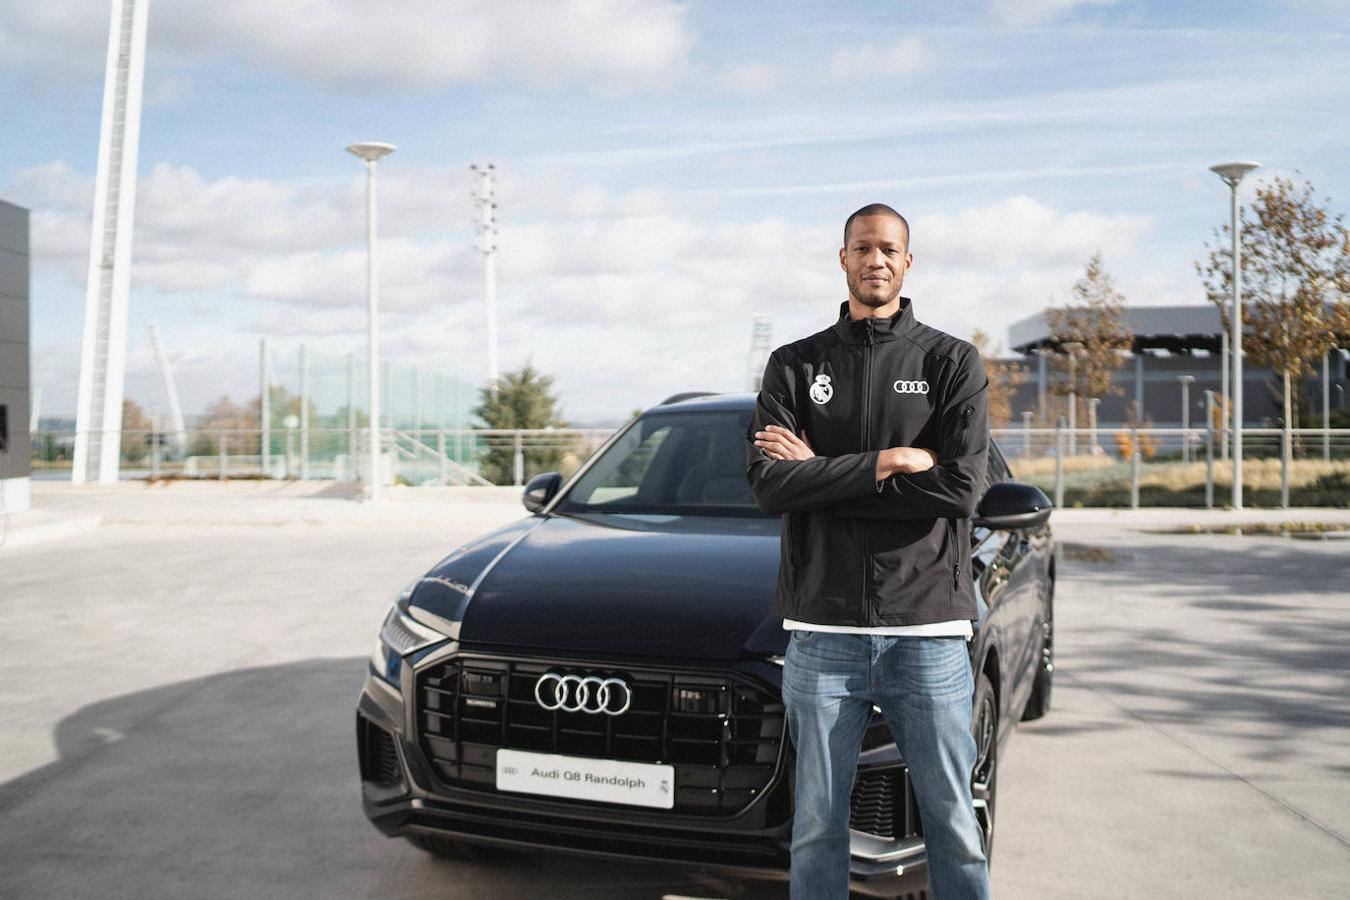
point(856, 551)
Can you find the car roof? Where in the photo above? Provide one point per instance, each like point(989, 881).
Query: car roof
point(738, 402)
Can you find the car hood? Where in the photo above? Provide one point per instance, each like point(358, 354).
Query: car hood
point(615, 585)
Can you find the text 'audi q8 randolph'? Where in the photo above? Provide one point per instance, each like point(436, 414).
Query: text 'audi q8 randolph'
point(603, 676)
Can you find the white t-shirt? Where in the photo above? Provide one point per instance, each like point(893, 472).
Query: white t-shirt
point(953, 628)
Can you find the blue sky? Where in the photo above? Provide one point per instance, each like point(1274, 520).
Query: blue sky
point(668, 170)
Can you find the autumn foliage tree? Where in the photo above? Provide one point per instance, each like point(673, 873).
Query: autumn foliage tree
point(1089, 336)
point(1004, 379)
point(1295, 282)
point(237, 424)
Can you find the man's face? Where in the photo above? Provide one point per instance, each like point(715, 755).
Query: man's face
point(875, 259)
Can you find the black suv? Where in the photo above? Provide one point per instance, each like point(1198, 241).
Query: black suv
point(603, 677)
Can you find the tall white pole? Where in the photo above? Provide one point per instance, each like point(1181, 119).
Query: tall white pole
point(372, 335)
point(171, 389)
point(1326, 406)
point(372, 152)
point(98, 415)
point(1223, 394)
point(1236, 343)
point(1185, 416)
point(486, 200)
point(304, 414)
point(35, 413)
point(264, 411)
point(1232, 174)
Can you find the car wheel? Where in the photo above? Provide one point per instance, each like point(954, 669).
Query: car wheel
point(1039, 702)
point(983, 780)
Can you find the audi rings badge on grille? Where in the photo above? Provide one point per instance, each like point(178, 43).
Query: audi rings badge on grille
point(588, 694)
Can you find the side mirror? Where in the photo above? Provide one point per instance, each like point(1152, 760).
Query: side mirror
point(1009, 505)
point(540, 490)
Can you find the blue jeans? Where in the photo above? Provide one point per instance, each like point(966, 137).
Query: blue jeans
point(924, 687)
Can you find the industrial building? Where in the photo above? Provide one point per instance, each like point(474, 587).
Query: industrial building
point(1170, 342)
point(14, 359)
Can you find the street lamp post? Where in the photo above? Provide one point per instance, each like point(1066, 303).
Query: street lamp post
point(1073, 347)
point(1231, 174)
point(371, 152)
point(1185, 416)
point(1094, 449)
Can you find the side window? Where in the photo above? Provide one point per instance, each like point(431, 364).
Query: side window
point(619, 474)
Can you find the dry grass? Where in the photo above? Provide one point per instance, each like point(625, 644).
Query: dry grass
point(1257, 474)
point(1045, 465)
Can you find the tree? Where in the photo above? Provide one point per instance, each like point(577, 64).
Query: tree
point(136, 427)
point(239, 423)
point(523, 399)
point(1003, 379)
point(1295, 281)
point(1089, 335)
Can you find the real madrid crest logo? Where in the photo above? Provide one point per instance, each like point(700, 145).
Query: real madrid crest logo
point(821, 391)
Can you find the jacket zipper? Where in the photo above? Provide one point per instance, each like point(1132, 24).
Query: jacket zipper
point(966, 413)
point(867, 446)
point(956, 548)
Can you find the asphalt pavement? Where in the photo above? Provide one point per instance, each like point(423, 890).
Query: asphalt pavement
point(179, 682)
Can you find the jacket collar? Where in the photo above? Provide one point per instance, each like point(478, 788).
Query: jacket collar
point(856, 331)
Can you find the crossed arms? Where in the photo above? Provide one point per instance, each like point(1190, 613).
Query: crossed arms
point(785, 474)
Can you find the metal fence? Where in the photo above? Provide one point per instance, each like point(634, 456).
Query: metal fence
point(413, 456)
point(1124, 467)
point(1133, 467)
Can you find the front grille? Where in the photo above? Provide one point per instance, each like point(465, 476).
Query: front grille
point(884, 804)
point(378, 758)
point(722, 735)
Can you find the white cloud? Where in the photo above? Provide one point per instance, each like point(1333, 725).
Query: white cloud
point(905, 57)
point(1034, 12)
point(1023, 231)
point(624, 297)
point(609, 44)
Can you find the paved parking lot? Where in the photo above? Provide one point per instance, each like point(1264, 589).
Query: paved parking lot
point(179, 685)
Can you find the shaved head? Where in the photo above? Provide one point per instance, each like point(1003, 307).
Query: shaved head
point(877, 209)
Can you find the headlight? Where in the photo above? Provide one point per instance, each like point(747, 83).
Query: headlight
point(400, 635)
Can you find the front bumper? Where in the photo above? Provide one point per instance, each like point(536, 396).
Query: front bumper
point(401, 797)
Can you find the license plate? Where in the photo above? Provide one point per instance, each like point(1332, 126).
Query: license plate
point(581, 778)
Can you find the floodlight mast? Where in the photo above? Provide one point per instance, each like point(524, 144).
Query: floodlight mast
point(371, 152)
point(1232, 174)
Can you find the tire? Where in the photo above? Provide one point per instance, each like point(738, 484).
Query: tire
point(1038, 704)
point(984, 777)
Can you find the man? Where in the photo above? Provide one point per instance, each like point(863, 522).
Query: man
point(870, 437)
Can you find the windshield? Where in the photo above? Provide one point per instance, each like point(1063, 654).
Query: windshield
point(674, 464)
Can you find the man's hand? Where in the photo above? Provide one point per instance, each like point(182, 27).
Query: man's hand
point(904, 461)
point(779, 443)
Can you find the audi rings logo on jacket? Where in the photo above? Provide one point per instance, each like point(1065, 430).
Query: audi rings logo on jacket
point(911, 387)
point(587, 694)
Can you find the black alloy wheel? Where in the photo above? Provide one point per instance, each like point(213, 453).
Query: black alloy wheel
point(984, 726)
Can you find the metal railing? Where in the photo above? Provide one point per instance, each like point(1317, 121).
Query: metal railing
point(1079, 467)
point(1180, 466)
point(412, 456)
